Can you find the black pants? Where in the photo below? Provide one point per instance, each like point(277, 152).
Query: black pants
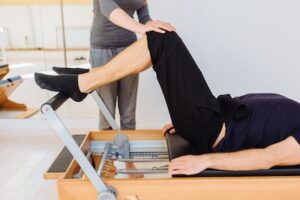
point(194, 111)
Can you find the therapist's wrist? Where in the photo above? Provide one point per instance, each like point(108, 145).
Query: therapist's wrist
point(141, 29)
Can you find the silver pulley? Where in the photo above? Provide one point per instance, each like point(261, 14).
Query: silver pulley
point(109, 195)
point(121, 141)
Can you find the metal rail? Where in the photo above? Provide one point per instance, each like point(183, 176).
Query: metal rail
point(48, 109)
point(108, 116)
point(146, 151)
point(2, 43)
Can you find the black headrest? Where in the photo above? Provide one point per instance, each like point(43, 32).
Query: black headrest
point(177, 147)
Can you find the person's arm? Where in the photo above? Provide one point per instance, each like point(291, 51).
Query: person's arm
point(284, 153)
point(119, 17)
point(143, 14)
point(168, 129)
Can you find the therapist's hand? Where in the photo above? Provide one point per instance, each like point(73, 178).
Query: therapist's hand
point(188, 165)
point(158, 26)
point(168, 128)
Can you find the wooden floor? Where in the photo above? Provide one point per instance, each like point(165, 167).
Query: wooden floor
point(24, 157)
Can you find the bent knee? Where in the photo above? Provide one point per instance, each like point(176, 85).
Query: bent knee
point(161, 45)
point(168, 36)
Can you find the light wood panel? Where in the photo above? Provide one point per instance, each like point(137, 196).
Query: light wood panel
point(26, 2)
point(28, 113)
point(261, 188)
point(230, 188)
point(132, 135)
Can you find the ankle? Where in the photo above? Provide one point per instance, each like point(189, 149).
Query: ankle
point(92, 69)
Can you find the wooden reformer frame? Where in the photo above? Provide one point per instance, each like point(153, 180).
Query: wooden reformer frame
point(7, 87)
point(193, 188)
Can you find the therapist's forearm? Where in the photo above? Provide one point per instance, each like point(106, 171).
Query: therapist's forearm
point(122, 19)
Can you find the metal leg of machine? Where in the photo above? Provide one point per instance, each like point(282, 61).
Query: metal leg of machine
point(119, 149)
point(2, 46)
point(110, 119)
point(48, 109)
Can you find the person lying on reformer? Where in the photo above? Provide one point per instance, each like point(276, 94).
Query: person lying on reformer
point(250, 132)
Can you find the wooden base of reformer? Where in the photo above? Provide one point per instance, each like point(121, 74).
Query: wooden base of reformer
point(254, 188)
point(8, 105)
point(194, 188)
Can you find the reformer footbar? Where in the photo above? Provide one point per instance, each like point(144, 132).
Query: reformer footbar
point(48, 109)
point(120, 149)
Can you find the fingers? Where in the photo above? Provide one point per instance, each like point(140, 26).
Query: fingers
point(168, 128)
point(169, 131)
point(188, 165)
point(131, 198)
point(159, 30)
point(164, 26)
point(184, 165)
point(160, 26)
point(172, 131)
point(172, 27)
point(177, 168)
point(177, 164)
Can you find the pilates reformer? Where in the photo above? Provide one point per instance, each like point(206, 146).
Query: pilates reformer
point(7, 87)
point(2, 46)
point(99, 166)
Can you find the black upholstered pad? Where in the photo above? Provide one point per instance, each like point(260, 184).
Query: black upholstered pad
point(64, 159)
point(9, 85)
point(3, 66)
point(177, 147)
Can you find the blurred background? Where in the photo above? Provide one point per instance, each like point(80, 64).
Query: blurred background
point(241, 47)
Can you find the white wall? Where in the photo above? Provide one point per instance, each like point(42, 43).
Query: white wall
point(41, 24)
point(241, 46)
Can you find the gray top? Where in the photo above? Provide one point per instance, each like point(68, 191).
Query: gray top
point(105, 34)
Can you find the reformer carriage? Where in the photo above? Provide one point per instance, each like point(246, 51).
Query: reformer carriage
point(98, 165)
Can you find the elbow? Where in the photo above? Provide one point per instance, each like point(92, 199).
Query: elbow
point(144, 20)
point(107, 13)
point(103, 9)
point(107, 8)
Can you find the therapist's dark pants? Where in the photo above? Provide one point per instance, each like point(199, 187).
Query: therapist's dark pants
point(194, 111)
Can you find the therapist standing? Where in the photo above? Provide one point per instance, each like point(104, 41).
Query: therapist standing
point(114, 29)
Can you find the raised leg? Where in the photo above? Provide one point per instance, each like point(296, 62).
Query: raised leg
point(136, 58)
point(195, 112)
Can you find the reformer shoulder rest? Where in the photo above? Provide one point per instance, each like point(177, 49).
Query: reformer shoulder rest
point(3, 66)
point(177, 146)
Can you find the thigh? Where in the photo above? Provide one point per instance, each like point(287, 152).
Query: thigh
point(194, 111)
